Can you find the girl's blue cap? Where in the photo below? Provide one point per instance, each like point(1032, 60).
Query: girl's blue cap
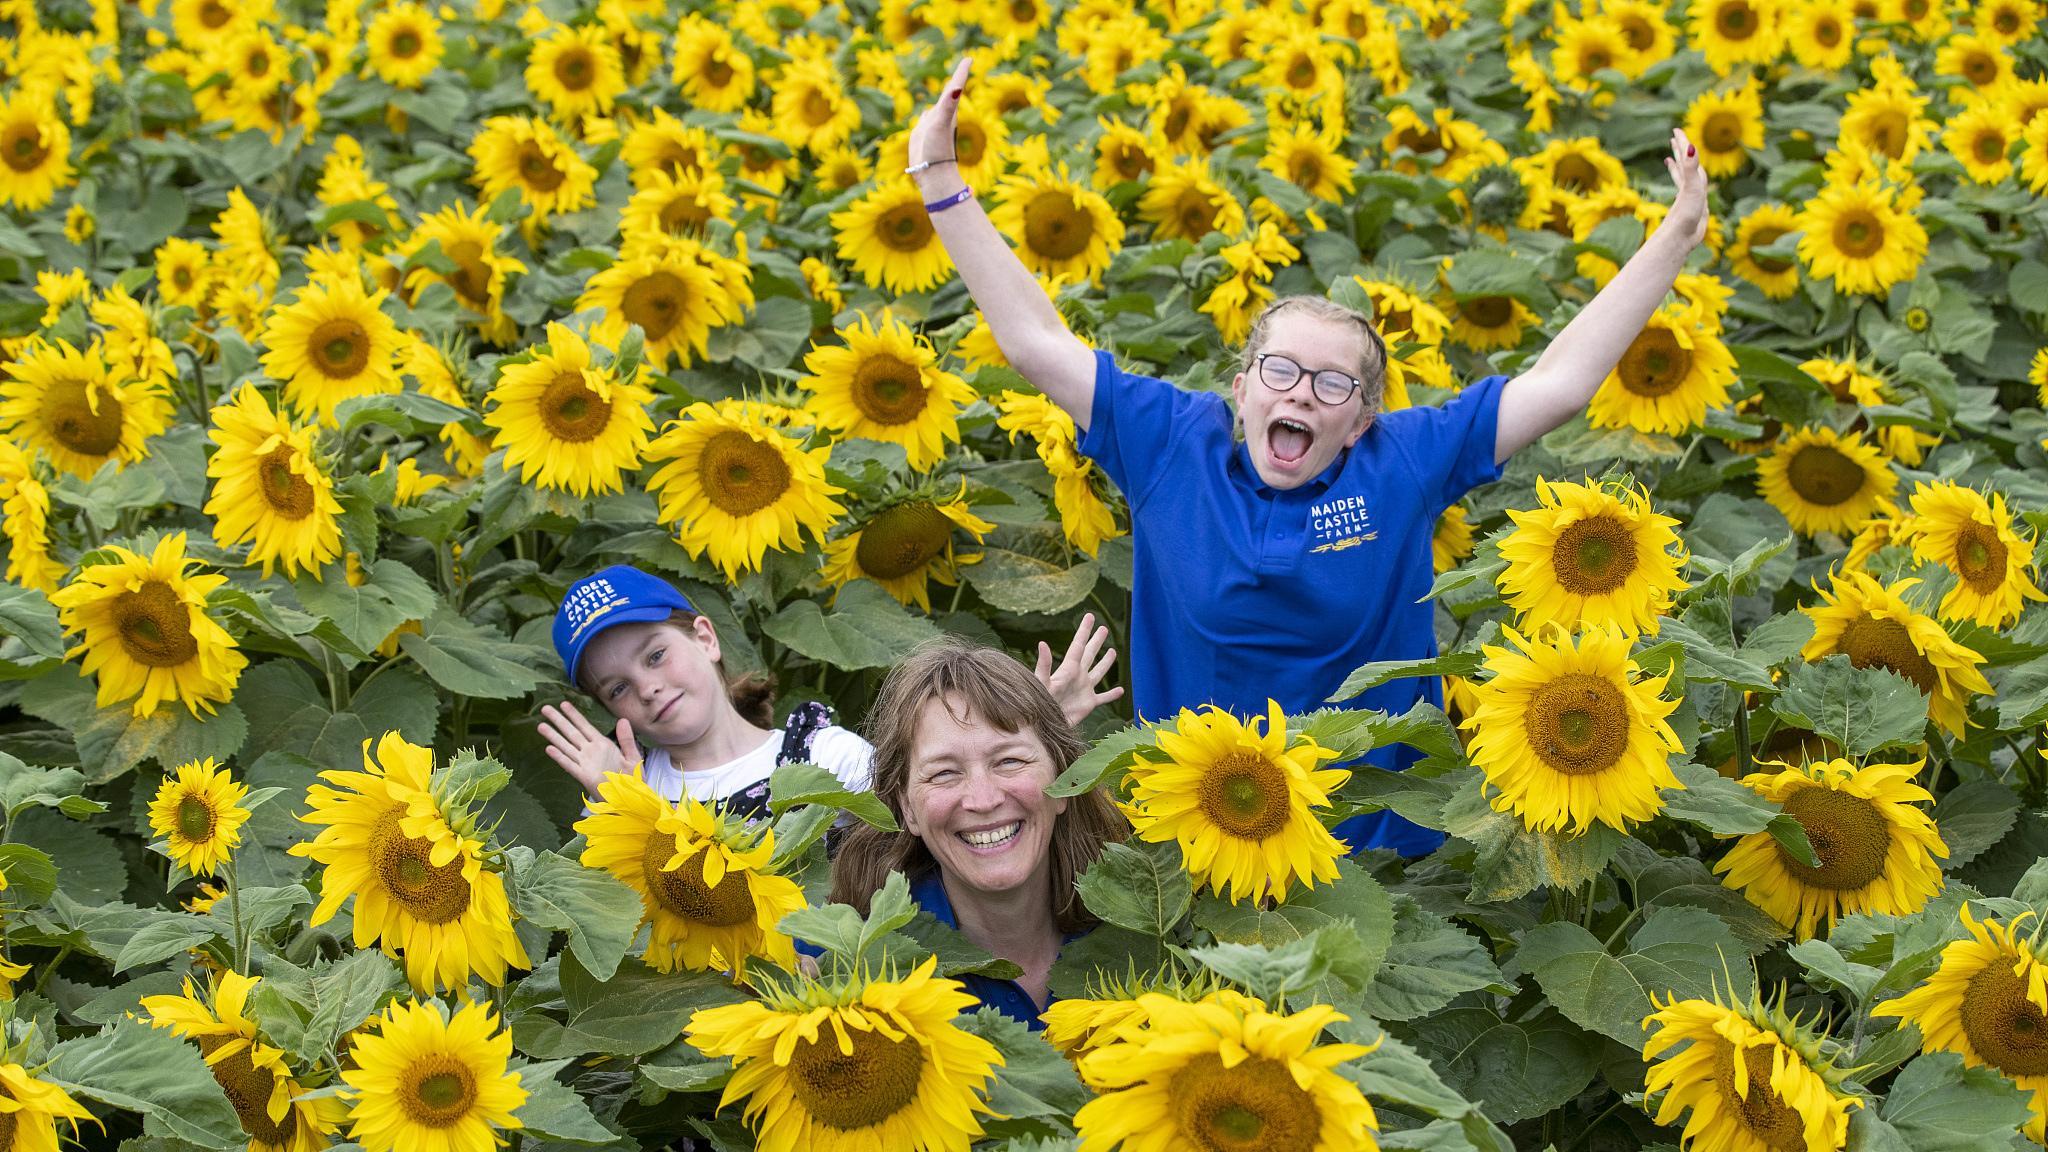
point(620, 594)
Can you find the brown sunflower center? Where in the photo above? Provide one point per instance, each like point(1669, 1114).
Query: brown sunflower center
point(181, 277)
point(679, 159)
point(257, 63)
point(248, 1088)
point(155, 625)
point(1578, 724)
point(1254, 1106)
point(339, 348)
point(1132, 161)
point(818, 108)
point(854, 1091)
point(905, 229)
point(682, 890)
point(1849, 835)
point(1593, 58)
point(1764, 238)
point(1594, 556)
point(1305, 170)
point(902, 540)
point(83, 418)
point(740, 474)
point(1576, 173)
point(1869, 642)
point(472, 277)
point(1301, 72)
point(1980, 557)
point(1655, 364)
point(1638, 32)
point(1420, 140)
point(717, 72)
point(2006, 20)
point(195, 820)
point(1055, 227)
point(7, 1130)
point(888, 390)
point(1989, 145)
point(437, 1091)
point(1826, 31)
point(1980, 68)
point(406, 44)
point(214, 14)
point(1735, 20)
point(410, 879)
point(1824, 475)
point(289, 494)
point(1246, 795)
point(572, 410)
point(1916, 10)
point(656, 302)
point(1763, 1114)
point(1488, 311)
point(1195, 211)
point(1175, 125)
point(575, 69)
point(1886, 133)
point(537, 169)
point(2006, 1029)
point(1722, 132)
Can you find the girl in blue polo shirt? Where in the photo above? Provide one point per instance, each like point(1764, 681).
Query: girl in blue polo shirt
point(1283, 540)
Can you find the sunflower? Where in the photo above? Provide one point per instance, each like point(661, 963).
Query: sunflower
point(702, 877)
point(2034, 158)
point(1988, 1003)
point(1821, 33)
point(71, 408)
point(1673, 372)
point(1876, 844)
point(1730, 33)
point(665, 145)
point(269, 489)
point(1825, 481)
point(677, 295)
point(198, 813)
point(1085, 519)
point(1593, 553)
point(146, 634)
point(576, 72)
point(1311, 160)
point(1123, 155)
point(1059, 228)
point(276, 1113)
point(404, 45)
point(1184, 202)
point(1077, 1026)
point(25, 522)
point(884, 383)
point(1979, 138)
point(905, 546)
point(680, 205)
point(812, 107)
point(1727, 125)
point(714, 73)
point(1751, 1079)
point(567, 424)
point(1487, 323)
point(1583, 49)
point(332, 343)
point(35, 150)
point(426, 1078)
point(30, 1109)
point(480, 273)
point(1777, 278)
point(737, 487)
point(1873, 626)
point(519, 153)
point(420, 887)
point(1885, 120)
point(1573, 734)
point(1241, 803)
point(1450, 542)
point(247, 258)
point(864, 1062)
point(1978, 63)
point(1957, 528)
point(888, 238)
point(183, 273)
point(1225, 1072)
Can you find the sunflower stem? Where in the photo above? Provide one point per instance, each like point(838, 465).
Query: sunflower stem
point(235, 915)
point(43, 977)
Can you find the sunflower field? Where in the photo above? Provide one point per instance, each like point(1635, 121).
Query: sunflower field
point(338, 340)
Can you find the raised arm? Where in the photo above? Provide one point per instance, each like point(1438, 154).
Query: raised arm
point(1564, 378)
point(1026, 326)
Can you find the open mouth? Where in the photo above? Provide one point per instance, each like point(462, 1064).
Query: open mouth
point(992, 838)
point(1288, 441)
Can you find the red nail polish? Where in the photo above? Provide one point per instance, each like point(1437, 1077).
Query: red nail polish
point(1691, 151)
point(954, 94)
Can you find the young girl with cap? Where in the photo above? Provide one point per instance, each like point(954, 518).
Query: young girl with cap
point(1283, 540)
point(633, 643)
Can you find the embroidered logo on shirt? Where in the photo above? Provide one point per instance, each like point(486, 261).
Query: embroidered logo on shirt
point(1340, 524)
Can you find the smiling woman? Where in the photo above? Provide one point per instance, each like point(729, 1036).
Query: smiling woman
point(967, 744)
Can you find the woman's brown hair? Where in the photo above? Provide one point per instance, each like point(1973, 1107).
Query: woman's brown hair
point(753, 694)
point(996, 689)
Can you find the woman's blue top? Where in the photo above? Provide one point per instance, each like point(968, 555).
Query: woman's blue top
point(1005, 996)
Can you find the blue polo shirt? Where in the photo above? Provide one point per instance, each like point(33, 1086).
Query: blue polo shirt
point(1005, 996)
point(1243, 592)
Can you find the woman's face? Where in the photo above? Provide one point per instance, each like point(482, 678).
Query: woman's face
point(977, 797)
point(662, 678)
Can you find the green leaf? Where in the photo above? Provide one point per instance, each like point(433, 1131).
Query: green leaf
point(1861, 709)
point(143, 1069)
point(553, 1110)
point(308, 1010)
point(599, 912)
point(1512, 861)
point(28, 616)
point(162, 936)
point(31, 877)
point(1271, 972)
point(840, 930)
point(1516, 1070)
point(262, 908)
point(1397, 1074)
point(389, 595)
point(1014, 582)
point(1715, 803)
point(636, 1011)
point(113, 741)
point(1683, 951)
point(1430, 963)
point(1384, 671)
point(1109, 757)
point(411, 413)
point(2023, 696)
point(1824, 963)
point(1491, 271)
point(867, 628)
point(1143, 887)
point(1706, 660)
point(23, 787)
point(1972, 817)
point(797, 784)
point(1940, 1106)
point(1034, 1084)
point(470, 659)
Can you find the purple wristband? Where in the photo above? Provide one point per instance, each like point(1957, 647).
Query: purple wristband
point(960, 197)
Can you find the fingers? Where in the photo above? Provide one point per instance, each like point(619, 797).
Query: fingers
point(629, 749)
point(1043, 670)
point(1116, 693)
point(1101, 667)
point(577, 721)
point(957, 83)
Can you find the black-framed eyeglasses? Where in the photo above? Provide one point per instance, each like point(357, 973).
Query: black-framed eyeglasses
point(1281, 374)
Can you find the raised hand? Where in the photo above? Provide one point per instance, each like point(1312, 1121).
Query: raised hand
point(1083, 667)
point(586, 754)
point(931, 138)
point(1689, 207)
